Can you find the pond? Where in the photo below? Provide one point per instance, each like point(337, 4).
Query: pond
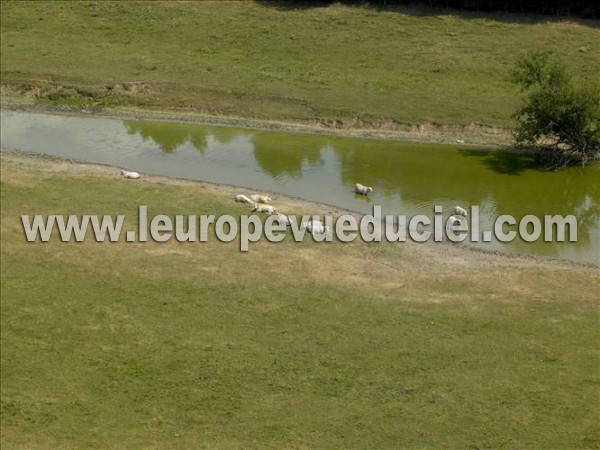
point(408, 178)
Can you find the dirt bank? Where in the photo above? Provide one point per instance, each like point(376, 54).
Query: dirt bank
point(473, 134)
point(429, 256)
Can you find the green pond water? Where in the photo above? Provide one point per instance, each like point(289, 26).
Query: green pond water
point(408, 178)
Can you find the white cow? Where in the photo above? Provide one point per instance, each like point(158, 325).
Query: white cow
point(130, 175)
point(460, 211)
point(362, 190)
point(267, 209)
point(317, 227)
point(456, 219)
point(257, 198)
point(241, 198)
point(282, 219)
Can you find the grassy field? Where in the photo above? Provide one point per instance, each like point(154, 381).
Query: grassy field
point(129, 345)
point(290, 345)
point(334, 65)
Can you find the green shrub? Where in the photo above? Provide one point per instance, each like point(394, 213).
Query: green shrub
point(557, 117)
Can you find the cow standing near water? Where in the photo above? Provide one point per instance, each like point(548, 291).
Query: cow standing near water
point(362, 190)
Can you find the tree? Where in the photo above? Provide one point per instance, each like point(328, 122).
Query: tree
point(557, 117)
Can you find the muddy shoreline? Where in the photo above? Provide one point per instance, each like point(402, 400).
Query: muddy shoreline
point(438, 254)
point(493, 137)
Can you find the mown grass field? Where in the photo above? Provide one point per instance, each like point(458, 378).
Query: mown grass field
point(336, 65)
point(289, 345)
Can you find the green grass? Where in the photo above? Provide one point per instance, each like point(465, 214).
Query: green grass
point(355, 65)
point(290, 345)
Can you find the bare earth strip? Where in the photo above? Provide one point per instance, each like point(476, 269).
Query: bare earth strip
point(473, 134)
point(446, 255)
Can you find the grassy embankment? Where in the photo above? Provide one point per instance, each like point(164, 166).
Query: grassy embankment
point(290, 345)
point(337, 66)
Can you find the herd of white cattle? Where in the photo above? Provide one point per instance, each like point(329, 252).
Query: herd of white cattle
point(260, 204)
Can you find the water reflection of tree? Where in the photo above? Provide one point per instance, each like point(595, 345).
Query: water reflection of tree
point(280, 154)
point(427, 174)
point(169, 136)
point(419, 174)
point(423, 174)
